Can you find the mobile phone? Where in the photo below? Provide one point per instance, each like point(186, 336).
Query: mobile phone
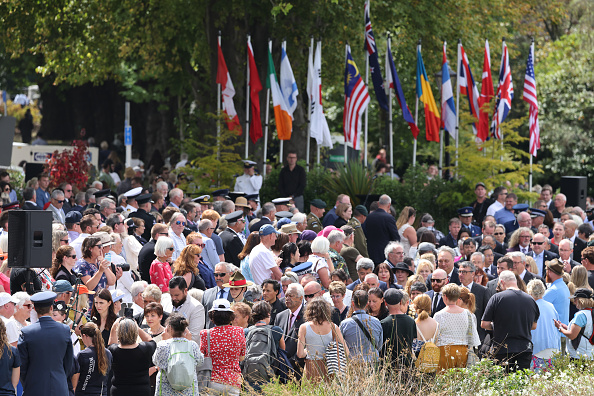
point(128, 313)
point(108, 257)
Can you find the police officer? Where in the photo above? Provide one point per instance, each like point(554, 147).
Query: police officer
point(465, 215)
point(250, 182)
point(144, 207)
point(46, 351)
point(317, 207)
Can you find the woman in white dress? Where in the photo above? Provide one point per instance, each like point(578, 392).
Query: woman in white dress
point(408, 235)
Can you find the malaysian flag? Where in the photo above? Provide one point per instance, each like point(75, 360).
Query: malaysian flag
point(530, 97)
point(356, 100)
point(374, 67)
point(468, 87)
point(505, 94)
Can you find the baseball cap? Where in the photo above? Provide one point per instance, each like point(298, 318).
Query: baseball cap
point(267, 229)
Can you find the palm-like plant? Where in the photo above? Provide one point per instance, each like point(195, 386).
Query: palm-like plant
point(352, 179)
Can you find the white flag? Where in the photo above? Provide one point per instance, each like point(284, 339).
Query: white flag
point(288, 85)
point(318, 124)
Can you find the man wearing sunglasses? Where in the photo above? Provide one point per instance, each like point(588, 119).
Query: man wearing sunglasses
point(56, 203)
point(539, 254)
point(232, 237)
point(143, 212)
point(222, 273)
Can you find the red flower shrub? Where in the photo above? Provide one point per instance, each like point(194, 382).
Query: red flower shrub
point(69, 166)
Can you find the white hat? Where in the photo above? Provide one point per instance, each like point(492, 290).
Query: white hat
point(133, 192)
point(6, 298)
point(221, 305)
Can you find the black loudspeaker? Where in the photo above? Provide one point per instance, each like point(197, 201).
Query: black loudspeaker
point(33, 170)
point(29, 238)
point(575, 189)
point(7, 126)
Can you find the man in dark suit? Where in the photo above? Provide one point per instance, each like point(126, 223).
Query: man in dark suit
point(222, 274)
point(147, 253)
point(46, 351)
point(565, 252)
point(521, 237)
point(445, 261)
point(481, 295)
point(380, 229)
point(144, 207)
point(570, 233)
point(233, 237)
point(519, 260)
point(29, 198)
point(438, 280)
point(289, 321)
point(268, 211)
point(503, 264)
point(451, 239)
point(539, 254)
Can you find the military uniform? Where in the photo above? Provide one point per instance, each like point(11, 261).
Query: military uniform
point(313, 223)
point(360, 238)
point(149, 222)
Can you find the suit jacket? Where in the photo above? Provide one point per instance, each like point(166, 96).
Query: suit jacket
point(149, 222)
point(57, 214)
point(380, 229)
point(441, 305)
point(547, 256)
point(517, 249)
point(448, 240)
point(454, 278)
point(145, 259)
point(31, 206)
point(210, 295)
point(578, 246)
point(528, 276)
point(232, 245)
point(283, 320)
point(330, 218)
point(492, 286)
point(263, 221)
point(555, 249)
point(45, 366)
point(481, 297)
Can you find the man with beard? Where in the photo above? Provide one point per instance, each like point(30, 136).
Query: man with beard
point(439, 279)
point(558, 292)
point(187, 306)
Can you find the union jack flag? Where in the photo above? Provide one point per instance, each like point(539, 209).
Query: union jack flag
point(530, 97)
point(505, 94)
point(374, 66)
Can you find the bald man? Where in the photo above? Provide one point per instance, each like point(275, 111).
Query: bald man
point(439, 278)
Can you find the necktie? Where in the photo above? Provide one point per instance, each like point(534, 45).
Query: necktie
point(221, 292)
point(435, 301)
point(293, 317)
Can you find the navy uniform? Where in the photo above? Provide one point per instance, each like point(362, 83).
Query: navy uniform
point(467, 212)
point(46, 353)
point(512, 225)
point(232, 242)
point(250, 184)
point(220, 195)
point(149, 219)
point(131, 195)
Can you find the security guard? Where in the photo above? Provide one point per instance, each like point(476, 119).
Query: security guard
point(46, 351)
point(465, 215)
point(317, 207)
point(250, 182)
point(144, 207)
point(360, 212)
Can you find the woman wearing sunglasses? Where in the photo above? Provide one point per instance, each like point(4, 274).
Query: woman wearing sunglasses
point(160, 271)
point(95, 271)
point(186, 265)
point(63, 264)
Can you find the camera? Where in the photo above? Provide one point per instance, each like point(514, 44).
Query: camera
point(124, 266)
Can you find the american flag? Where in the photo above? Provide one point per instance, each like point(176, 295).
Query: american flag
point(468, 87)
point(505, 94)
point(374, 66)
point(356, 100)
point(530, 97)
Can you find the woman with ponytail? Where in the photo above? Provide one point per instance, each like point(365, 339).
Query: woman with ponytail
point(427, 327)
point(10, 363)
point(95, 363)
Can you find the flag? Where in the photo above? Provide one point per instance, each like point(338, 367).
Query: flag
point(392, 81)
point(228, 93)
point(318, 125)
point(486, 96)
point(374, 66)
point(255, 88)
point(505, 94)
point(356, 100)
point(530, 97)
point(448, 107)
point(468, 87)
point(432, 120)
point(288, 85)
point(284, 122)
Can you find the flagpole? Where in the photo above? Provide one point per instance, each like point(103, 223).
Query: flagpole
point(346, 52)
point(219, 113)
point(416, 113)
point(247, 104)
point(458, 102)
point(391, 139)
point(280, 157)
point(267, 115)
point(311, 54)
point(441, 129)
point(320, 98)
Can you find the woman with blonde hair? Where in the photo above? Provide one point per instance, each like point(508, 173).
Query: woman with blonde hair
point(427, 327)
point(531, 265)
point(314, 336)
point(457, 331)
point(186, 265)
point(425, 267)
point(408, 235)
point(344, 211)
point(94, 362)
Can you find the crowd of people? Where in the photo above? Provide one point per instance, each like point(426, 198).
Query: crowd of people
point(236, 291)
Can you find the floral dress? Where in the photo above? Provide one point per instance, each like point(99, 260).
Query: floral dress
point(161, 275)
point(227, 345)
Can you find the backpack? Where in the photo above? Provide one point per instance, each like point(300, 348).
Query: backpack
point(260, 354)
point(181, 366)
point(429, 355)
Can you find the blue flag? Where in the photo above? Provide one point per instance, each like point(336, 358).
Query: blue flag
point(374, 66)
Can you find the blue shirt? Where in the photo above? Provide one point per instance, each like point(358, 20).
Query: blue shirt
point(502, 216)
point(546, 335)
point(42, 197)
point(558, 295)
point(359, 346)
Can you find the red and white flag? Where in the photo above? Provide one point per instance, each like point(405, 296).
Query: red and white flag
point(530, 97)
point(255, 88)
point(487, 94)
point(228, 93)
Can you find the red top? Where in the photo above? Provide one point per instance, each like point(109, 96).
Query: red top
point(161, 275)
point(227, 345)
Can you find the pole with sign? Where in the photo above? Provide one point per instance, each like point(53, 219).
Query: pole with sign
point(127, 136)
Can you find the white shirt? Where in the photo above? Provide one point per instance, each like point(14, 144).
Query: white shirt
point(137, 309)
point(77, 243)
point(179, 243)
point(261, 263)
point(469, 286)
point(130, 209)
point(132, 247)
point(495, 206)
point(248, 184)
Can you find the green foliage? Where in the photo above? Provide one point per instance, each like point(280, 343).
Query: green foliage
point(352, 179)
point(269, 189)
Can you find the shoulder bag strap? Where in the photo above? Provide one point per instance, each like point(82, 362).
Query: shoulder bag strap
point(435, 334)
point(421, 333)
point(367, 335)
